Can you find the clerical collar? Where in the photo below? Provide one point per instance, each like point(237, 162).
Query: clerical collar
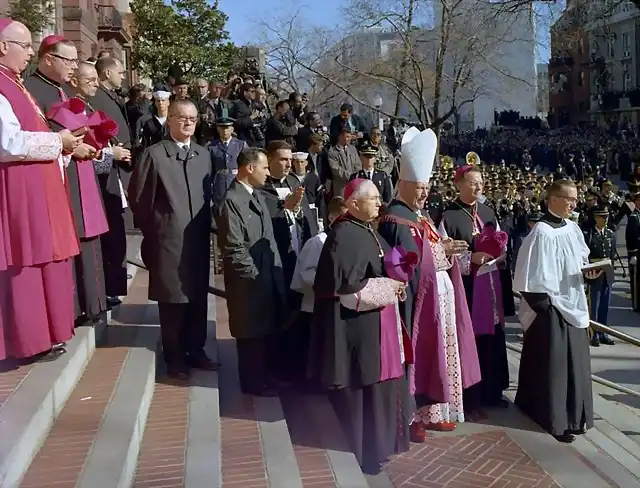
point(465, 205)
point(551, 217)
point(47, 80)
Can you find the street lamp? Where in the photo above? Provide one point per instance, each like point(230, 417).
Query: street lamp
point(378, 103)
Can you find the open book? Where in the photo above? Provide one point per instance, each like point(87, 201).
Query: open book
point(597, 265)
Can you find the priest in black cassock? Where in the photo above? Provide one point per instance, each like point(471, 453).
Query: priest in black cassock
point(114, 182)
point(57, 63)
point(348, 355)
point(88, 211)
point(464, 219)
point(294, 223)
point(554, 383)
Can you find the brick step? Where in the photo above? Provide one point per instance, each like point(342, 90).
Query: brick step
point(612, 447)
point(181, 442)
point(32, 396)
point(95, 439)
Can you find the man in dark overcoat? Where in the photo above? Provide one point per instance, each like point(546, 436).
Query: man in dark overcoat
point(253, 276)
point(170, 196)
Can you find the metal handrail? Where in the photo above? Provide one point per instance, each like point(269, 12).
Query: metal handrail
point(595, 378)
point(634, 341)
point(617, 334)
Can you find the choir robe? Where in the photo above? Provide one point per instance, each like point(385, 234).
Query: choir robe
point(346, 353)
point(457, 224)
point(554, 383)
point(37, 235)
point(90, 294)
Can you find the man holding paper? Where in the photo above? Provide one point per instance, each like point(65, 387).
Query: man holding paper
point(554, 384)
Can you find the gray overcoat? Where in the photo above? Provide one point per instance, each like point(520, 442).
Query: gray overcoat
point(170, 196)
point(253, 276)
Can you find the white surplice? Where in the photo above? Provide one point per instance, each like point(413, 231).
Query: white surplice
point(550, 261)
point(19, 145)
point(305, 271)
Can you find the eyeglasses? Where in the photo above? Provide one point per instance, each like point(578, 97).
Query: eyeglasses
point(65, 60)
point(568, 199)
point(24, 45)
point(184, 120)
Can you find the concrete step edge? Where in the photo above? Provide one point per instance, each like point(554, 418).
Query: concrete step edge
point(611, 443)
point(113, 458)
point(343, 463)
point(279, 458)
point(203, 458)
point(28, 415)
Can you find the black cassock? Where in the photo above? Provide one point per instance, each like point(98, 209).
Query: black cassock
point(554, 382)
point(345, 346)
point(90, 294)
point(492, 353)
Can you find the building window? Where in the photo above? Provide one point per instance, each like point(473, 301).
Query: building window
point(611, 47)
point(627, 82)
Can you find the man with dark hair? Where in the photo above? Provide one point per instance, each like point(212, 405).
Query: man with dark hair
point(554, 384)
point(346, 119)
point(176, 174)
point(114, 243)
point(280, 127)
point(248, 123)
point(252, 271)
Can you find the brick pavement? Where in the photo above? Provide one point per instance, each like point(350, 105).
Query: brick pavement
point(487, 460)
point(11, 376)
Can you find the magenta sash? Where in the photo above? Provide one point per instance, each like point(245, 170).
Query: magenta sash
point(93, 214)
point(482, 313)
point(390, 359)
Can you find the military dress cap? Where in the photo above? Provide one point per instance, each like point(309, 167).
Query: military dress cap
point(180, 82)
point(225, 122)
point(302, 156)
point(367, 149)
point(601, 211)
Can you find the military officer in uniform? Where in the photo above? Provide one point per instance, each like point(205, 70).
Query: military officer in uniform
point(224, 151)
point(380, 178)
point(601, 241)
point(632, 240)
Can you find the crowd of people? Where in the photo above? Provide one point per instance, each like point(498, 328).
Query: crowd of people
point(361, 266)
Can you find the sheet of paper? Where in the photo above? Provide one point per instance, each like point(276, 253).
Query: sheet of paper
point(490, 266)
point(283, 193)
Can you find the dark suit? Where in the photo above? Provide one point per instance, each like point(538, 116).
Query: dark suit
point(338, 123)
point(380, 179)
point(114, 242)
point(253, 282)
point(602, 246)
point(293, 342)
point(170, 195)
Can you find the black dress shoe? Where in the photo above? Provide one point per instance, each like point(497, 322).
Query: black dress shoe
point(113, 302)
point(178, 372)
point(261, 391)
point(580, 431)
point(565, 438)
point(607, 341)
point(51, 355)
point(595, 342)
point(203, 362)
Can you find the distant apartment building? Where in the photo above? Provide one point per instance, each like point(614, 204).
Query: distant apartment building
point(614, 47)
point(502, 79)
point(94, 26)
point(569, 70)
point(542, 90)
